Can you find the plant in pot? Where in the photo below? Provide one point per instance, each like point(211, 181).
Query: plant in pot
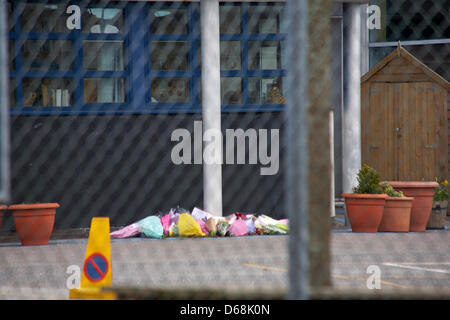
point(422, 192)
point(440, 203)
point(34, 222)
point(365, 205)
point(397, 210)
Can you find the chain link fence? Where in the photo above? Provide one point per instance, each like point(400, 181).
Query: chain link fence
point(113, 107)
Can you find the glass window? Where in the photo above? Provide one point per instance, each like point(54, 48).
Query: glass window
point(103, 55)
point(169, 55)
point(48, 54)
point(47, 92)
point(265, 55)
point(170, 90)
point(104, 90)
point(412, 20)
point(231, 90)
point(266, 90)
point(42, 17)
point(169, 21)
point(230, 17)
point(230, 55)
point(103, 20)
point(263, 18)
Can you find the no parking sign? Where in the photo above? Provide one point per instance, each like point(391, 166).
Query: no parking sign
point(97, 263)
point(96, 267)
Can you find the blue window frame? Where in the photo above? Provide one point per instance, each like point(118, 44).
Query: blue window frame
point(254, 15)
point(138, 64)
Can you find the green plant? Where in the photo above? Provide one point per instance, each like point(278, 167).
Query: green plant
point(390, 191)
point(368, 181)
point(441, 193)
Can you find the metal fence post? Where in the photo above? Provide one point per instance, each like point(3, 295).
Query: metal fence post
point(308, 145)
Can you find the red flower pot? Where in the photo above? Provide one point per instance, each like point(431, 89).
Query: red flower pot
point(423, 192)
point(396, 215)
point(34, 222)
point(364, 211)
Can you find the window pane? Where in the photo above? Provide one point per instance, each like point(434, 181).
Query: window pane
point(169, 21)
point(169, 55)
point(263, 18)
point(103, 20)
point(40, 17)
point(267, 90)
point(48, 54)
point(170, 90)
point(230, 19)
point(103, 55)
point(47, 92)
point(230, 55)
point(12, 92)
point(231, 90)
point(265, 55)
point(104, 90)
point(412, 20)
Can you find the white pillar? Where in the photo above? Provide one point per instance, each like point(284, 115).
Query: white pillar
point(4, 107)
point(210, 51)
point(351, 161)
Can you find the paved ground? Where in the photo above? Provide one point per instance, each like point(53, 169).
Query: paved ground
point(405, 261)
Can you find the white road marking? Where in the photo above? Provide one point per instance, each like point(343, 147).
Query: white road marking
point(415, 267)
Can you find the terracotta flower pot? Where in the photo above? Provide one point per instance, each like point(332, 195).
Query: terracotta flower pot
point(397, 214)
point(422, 192)
point(364, 211)
point(438, 215)
point(34, 222)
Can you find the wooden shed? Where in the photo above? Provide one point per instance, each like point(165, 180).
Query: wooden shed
point(405, 119)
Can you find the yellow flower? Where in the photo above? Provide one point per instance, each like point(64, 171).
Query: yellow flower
point(445, 182)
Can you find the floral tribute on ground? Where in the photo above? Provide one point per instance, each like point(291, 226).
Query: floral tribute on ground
point(180, 222)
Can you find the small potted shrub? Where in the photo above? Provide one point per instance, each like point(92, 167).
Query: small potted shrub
point(365, 205)
point(34, 222)
point(439, 209)
point(397, 210)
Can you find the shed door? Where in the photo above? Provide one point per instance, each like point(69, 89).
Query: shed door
point(399, 130)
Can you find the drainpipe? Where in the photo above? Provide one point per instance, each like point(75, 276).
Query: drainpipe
point(332, 188)
point(210, 52)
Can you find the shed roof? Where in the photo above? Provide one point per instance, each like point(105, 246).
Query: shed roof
point(401, 52)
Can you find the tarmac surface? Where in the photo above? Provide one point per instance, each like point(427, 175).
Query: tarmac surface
point(403, 261)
